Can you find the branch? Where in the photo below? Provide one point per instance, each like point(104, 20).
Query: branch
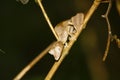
point(109, 30)
point(66, 50)
point(111, 37)
point(47, 18)
point(33, 62)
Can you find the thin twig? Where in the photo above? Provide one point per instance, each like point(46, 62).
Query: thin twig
point(109, 30)
point(66, 50)
point(47, 18)
point(33, 62)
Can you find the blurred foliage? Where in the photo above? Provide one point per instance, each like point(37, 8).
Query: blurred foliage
point(24, 33)
point(118, 6)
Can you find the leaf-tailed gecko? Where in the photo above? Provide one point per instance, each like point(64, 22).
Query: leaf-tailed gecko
point(65, 31)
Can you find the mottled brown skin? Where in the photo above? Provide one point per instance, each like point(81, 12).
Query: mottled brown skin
point(65, 31)
point(69, 27)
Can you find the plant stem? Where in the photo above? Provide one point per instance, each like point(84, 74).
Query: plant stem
point(109, 30)
point(32, 63)
point(47, 18)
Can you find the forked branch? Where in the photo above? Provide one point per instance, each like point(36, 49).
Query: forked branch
point(111, 37)
point(109, 30)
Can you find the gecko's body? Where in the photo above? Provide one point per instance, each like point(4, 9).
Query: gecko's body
point(65, 31)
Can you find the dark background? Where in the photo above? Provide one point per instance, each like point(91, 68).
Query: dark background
point(24, 33)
